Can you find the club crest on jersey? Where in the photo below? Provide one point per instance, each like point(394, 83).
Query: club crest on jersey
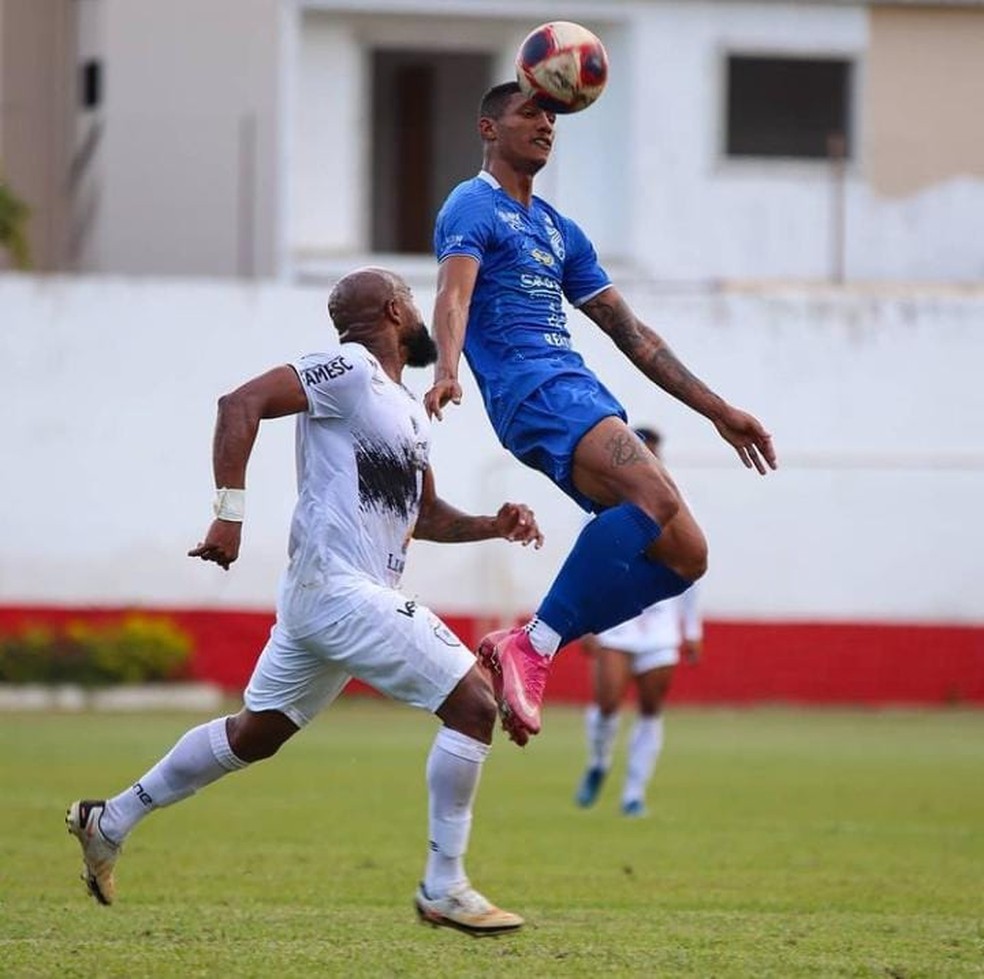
point(544, 258)
point(556, 239)
point(444, 634)
point(512, 218)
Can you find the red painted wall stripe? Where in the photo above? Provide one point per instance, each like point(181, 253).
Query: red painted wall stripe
point(744, 662)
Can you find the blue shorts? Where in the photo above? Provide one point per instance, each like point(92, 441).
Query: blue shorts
point(547, 426)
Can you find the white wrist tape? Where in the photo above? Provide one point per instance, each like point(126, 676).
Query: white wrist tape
point(230, 504)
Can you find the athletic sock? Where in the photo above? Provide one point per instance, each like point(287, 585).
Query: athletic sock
point(645, 746)
point(200, 756)
point(601, 731)
point(606, 579)
point(544, 639)
point(453, 770)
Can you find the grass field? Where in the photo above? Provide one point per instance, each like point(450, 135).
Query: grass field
point(780, 843)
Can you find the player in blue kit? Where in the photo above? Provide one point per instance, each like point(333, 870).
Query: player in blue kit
point(507, 259)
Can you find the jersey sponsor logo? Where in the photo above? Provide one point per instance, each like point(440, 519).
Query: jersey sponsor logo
point(558, 340)
point(540, 285)
point(543, 287)
point(327, 371)
point(555, 237)
point(394, 563)
point(544, 258)
point(512, 219)
point(409, 609)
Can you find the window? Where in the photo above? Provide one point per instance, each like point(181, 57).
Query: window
point(424, 140)
point(788, 107)
point(90, 94)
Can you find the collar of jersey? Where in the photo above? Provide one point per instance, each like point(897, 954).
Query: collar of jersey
point(495, 185)
point(489, 179)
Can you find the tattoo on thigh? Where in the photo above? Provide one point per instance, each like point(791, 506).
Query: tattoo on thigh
point(623, 450)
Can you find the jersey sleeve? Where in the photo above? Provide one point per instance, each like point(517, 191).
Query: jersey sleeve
point(584, 277)
point(463, 227)
point(334, 382)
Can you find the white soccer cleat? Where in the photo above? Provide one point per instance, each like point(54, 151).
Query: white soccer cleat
point(465, 909)
point(99, 855)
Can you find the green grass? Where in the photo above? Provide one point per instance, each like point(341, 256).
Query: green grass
point(780, 843)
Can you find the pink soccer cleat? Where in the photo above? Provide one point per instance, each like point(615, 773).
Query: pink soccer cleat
point(519, 676)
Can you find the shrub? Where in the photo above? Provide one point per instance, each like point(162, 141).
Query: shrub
point(135, 649)
point(13, 227)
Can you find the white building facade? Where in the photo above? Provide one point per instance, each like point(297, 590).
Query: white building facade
point(737, 140)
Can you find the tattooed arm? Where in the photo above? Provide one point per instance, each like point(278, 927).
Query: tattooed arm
point(441, 522)
point(652, 355)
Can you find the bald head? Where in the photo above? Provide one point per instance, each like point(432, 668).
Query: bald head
point(359, 298)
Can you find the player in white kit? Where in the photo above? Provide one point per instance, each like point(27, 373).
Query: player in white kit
point(646, 650)
point(365, 488)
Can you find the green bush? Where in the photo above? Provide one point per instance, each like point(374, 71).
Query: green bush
point(135, 649)
point(13, 227)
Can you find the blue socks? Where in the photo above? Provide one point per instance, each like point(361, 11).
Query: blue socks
point(606, 578)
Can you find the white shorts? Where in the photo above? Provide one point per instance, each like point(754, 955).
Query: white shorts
point(651, 659)
point(400, 648)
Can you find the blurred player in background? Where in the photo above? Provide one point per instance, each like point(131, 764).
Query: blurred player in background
point(507, 261)
point(365, 487)
point(645, 649)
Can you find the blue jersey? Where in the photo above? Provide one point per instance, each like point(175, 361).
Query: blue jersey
point(529, 258)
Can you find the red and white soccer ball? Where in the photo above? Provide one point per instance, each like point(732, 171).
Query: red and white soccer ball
point(562, 66)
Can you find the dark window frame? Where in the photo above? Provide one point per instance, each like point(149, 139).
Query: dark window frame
point(91, 84)
point(764, 134)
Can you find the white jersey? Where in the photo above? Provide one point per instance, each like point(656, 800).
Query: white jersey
point(362, 449)
point(664, 625)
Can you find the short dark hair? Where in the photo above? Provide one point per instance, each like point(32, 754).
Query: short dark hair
point(494, 101)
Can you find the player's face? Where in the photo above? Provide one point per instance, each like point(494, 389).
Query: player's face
point(525, 134)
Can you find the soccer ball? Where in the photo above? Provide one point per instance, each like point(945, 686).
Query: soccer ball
point(562, 67)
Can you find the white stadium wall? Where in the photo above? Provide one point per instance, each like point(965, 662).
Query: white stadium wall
point(109, 390)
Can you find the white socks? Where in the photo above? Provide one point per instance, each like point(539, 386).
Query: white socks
point(543, 639)
point(601, 732)
point(453, 769)
point(645, 746)
point(201, 756)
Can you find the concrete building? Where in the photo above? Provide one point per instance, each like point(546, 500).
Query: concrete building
point(737, 140)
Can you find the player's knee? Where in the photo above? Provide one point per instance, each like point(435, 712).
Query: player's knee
point(659, 499)
point(661, 507)
point(471, 708)
point(485, 713)
point(249, 747)
point(482, 710)
point(251, 739)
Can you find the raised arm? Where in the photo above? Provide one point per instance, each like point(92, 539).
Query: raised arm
point(276, 393)
point(653, 356)
point(455, 283)
point(441, 522)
